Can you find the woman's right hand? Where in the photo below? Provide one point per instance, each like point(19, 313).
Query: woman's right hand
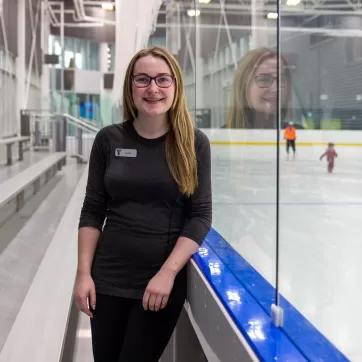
point(84, 288)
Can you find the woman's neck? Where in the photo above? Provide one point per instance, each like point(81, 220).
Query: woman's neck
point(151, 127)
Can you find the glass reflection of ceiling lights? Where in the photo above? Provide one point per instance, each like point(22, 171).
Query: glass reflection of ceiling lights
point(193, 12)
point(203, 252)
point(107, 6)
point(204, 1)
point(233, 297)
point(215, 268)
point(255, 330)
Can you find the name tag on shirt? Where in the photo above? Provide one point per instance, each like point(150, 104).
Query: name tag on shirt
point(123, 152)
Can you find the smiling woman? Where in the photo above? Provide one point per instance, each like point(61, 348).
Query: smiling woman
point(153, 88)
point(150, 179)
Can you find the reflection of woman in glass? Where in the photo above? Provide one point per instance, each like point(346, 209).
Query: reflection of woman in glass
point(253, 101)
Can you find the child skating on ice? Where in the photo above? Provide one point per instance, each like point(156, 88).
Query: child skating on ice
point(331, 155)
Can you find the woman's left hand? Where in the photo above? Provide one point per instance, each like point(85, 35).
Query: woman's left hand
point(158, 291)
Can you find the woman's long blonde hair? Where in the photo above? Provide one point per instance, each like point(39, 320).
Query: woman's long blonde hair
point(239, 108)
point(180, 141)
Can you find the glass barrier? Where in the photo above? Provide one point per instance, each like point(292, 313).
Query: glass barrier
point(320, 193)
point(231, 91)
point(272, 85)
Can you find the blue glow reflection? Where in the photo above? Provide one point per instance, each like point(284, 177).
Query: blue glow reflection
point(255, 330)
point(233, 296)
point(203, 251)
point(215, 268)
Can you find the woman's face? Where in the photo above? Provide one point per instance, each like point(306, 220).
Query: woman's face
point(263, 87)
point(152, 99)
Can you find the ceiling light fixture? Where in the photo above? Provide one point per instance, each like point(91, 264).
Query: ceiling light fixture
point(204, 1)
point(107, 6)
point(193, 12)
point(293, 2)
point(272, 16)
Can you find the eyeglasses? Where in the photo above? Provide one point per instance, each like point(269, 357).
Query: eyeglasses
point(266, 80)
point(143, 81)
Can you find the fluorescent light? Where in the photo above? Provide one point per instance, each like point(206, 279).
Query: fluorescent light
point(204, 1)
point(293, 2)
point(272, 16)
point(86, 25)
point(107, 6)
point(193, 12)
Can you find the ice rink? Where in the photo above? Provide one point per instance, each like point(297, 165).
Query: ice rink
point(319, 226)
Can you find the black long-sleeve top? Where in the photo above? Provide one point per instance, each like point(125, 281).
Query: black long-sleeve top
point(132, 198)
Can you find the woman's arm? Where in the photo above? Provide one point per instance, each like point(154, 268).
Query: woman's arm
point(193, 234)
point(87, 242)
point(181, 254)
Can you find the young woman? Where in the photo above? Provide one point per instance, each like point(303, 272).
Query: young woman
point(146, 211)
point(253, 102)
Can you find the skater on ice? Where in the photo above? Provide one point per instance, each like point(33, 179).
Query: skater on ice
point(290, 135)
point(331, 155)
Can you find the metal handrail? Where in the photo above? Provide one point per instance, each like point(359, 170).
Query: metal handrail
point(80, 123)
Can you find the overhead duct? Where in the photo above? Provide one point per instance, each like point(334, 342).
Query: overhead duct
point(77, 10)
point(79, 5)
point(134, 24)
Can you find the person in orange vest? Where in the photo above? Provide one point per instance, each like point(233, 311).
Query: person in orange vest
point(290, 136)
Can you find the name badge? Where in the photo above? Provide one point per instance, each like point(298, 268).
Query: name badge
point(123, 152)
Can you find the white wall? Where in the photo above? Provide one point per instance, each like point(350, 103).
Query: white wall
point(87, 81)
point(269, 137)
point(238, 144)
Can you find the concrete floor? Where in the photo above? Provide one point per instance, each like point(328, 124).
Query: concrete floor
point(25, 238)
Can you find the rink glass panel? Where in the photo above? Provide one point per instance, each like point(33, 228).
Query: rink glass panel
point(319, 73)
point(210, 48)
point(320, 228)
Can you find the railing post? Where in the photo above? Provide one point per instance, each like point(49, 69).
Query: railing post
point(80, 143)
point(37, 134)
point(59, 134)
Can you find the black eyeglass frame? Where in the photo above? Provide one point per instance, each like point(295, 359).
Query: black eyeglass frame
point(151, 79)
point(283, 83)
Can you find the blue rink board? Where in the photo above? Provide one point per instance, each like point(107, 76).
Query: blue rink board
point(248, 297)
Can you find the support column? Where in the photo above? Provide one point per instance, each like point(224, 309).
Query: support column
point(106, 104)
point(45, 77)
point(199, 76)
point(20, 62)
point(63, 60)
point(103, 57)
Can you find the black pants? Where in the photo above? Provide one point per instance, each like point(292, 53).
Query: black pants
point(122, 331)
point(291, 143)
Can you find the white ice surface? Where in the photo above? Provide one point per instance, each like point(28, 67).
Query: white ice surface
point(320, 228)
